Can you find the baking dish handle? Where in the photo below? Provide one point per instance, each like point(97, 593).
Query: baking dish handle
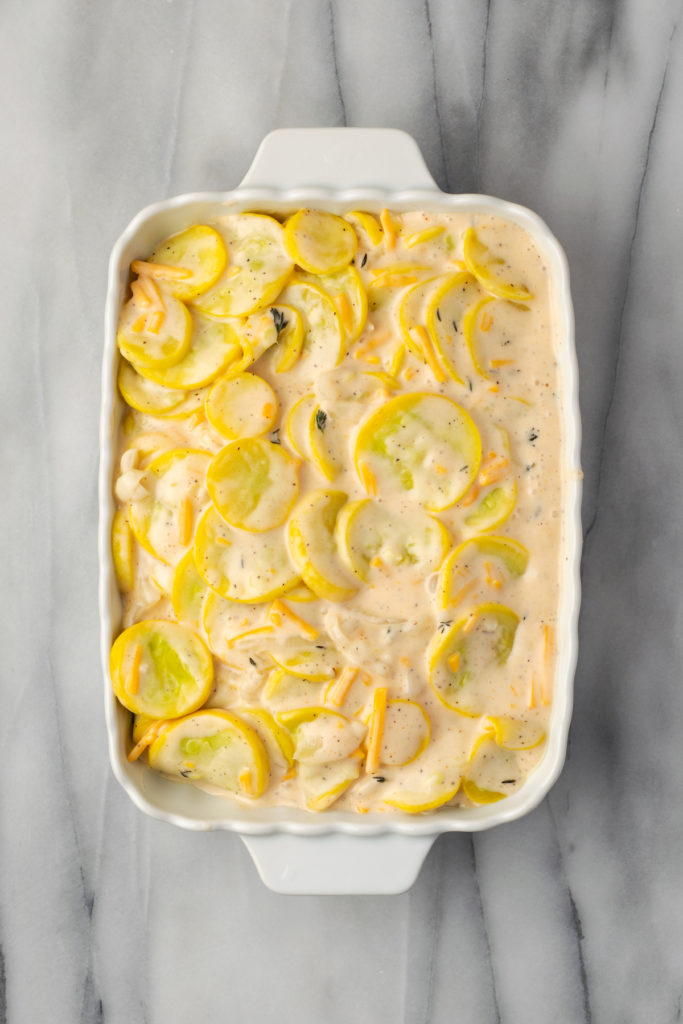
point(334, 864)
point(383, 158)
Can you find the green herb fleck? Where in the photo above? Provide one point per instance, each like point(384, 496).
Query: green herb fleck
point(278, 319)
point(320, 419)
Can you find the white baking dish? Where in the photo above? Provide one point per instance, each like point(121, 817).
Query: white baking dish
point(336, 852)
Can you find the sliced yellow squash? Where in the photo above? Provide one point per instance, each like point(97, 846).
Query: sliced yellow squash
point(488, 561)
point(164, 521)
point(434, 792)
point(312, 547)
point(213, 746)
point(146, 396)
point(320, 428)
point(419, 444)
point(319, 242)
point(320, 735)
point(371, 539)
point(324, 344)
point(242, 566)
point(297, 425)
point(253, 483)
point(258, 266)
point(154, 337)
point(215, 345)
point(198, 253)
point(494, 508)
point(289, 326)
point(323, 784)
point(491, 271)
point(445, 317)
point(122, 541)
point(306, 660)
point(189, 592)
point(349, 296)
point(406, 732)
point(243, 405)
point(161, 669)
point(461, 659)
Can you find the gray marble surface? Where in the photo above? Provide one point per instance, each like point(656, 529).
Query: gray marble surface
point(574, 914)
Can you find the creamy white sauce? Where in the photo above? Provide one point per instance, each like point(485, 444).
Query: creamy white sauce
point(389, 625)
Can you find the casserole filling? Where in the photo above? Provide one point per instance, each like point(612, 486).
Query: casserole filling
point(338, 515)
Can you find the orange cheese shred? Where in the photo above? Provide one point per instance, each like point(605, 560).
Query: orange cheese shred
point(367, 477)
point(340, 690)
point(155, 321)
point(141, 297)
point(379, 709)
point(341, 301)
point(461, 594)
point(424, 343)
point(247, 782)
point(279, 610)
point(160, 271)
point(147, 738)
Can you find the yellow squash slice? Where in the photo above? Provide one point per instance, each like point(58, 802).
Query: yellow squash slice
point(493, 508)
point(276, 739)
point(349, 296)
point(320, 735)
point(258, 266)
point(146, 396)
point(445, 316)
point(320, 242)
point(312, 547)
point(372, 539)
point(324, 344)
point(491, 271)
point(320, 431)
point(242, 566)
point(289, 327)
point(216, 747)
point(436, 791)
point(323, 784)
point(306, 660)
point(297, 425)
point(412, 309)
point(161, 669)
point(122, 541)
point(215, 346)
point(477, 564)
point(157, 337)
point(421, 445)
point(165, 520)
point(189, 592)
point(198, 257)
point(243, 405)
point(463, 657)
point(406, 732)
point(253, 483)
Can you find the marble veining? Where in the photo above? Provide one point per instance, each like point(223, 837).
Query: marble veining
point(573, 914)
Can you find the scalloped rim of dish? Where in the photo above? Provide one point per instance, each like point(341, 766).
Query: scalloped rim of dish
point(148, 791)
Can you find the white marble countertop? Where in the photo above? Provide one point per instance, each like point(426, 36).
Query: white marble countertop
point(573, 914)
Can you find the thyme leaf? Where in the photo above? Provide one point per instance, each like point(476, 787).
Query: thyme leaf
point(320, 419)
point(278, 319)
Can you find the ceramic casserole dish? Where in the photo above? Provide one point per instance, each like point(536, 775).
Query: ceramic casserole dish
point(337, 852)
